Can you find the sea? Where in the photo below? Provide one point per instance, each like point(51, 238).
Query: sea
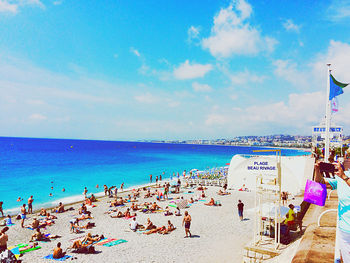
point(44, 167)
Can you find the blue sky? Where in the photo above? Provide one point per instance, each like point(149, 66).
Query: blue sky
point(129, 70)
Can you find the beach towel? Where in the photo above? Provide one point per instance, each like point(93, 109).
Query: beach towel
point(105, 241)
point(22, 245)
point(315, 193)
point(58, 259)
point(173, 205)
point(15, 251)
point(115, 242)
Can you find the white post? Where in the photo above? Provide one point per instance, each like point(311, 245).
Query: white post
point(328, 116)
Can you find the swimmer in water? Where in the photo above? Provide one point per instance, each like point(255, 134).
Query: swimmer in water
point(19, 199)
point(97, 186)
point(51, 187)
point(50, 194)
point(63, 190)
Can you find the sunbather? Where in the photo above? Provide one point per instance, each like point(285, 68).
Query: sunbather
point(43, 212)
point(167, 211)
point(211, 202)
point(57, 252)
point(149, 225)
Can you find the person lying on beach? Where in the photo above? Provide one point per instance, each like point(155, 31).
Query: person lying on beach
point(59, 209)
point(223, 193)
point(35, 244)
point(160, 230)
point(35, 223)
point(134, 207)
point(57, 252)
point(178, 212)
point(88, 201)
point(148, 194)
point(50, 217)
point(117, 214)
point(39, 236)
point(201, 188)
point(117, 202)
point(155, 207)
point(83, 210)
point(149, 225)
point(7, 221)
point(84, 216)
point(212, 203)
point(167, 211)
point(43, 212)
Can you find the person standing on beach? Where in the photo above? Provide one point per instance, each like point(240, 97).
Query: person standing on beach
point(1, 210)
point(160, 177)
point(157, 180)
point(187, 222)
point(121, 187)
point(240, 209)
point(85, 192)
point(150, 178)
point(23, 214)
point(30, 205)
point(115, 192)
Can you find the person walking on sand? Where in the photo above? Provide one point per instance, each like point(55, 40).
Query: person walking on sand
point(187, 222)
point(157, 180)
point(30, 205)
point(240, 209)
point(23, 214)
point(1, 210)
point(150, 178)
point(121, 187)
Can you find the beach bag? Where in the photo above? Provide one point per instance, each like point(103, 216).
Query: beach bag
point(315, 193)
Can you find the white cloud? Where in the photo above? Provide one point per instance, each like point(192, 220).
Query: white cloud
point(338, 55)
point(8, 7)
point(146, 98)
point(191, 71)
point(232, 34)
point(288, 70)
point(193, 33)
point(246, 77)
point(290, 26)
point(37, 117)
point(135, 52)
point(12, 6)
point(201, 87)
point(338, 10)
point(296, 113)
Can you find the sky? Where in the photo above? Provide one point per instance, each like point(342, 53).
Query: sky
point(170, 70)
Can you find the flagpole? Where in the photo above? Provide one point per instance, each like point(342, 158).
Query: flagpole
point(328, 116)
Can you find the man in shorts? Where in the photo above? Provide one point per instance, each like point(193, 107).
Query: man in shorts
point(30, 205)
point(187, 222)
point(23, 214)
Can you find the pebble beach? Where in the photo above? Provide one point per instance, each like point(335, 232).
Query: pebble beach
point(217, 233)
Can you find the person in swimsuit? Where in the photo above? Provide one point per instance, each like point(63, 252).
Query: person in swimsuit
point(23, 214)
point(57, 252)
point(30, 205)
point(187, 222)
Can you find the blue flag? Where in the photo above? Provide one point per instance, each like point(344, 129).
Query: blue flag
point(336, 87)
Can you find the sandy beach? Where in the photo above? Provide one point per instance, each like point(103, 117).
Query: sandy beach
point(218, 234)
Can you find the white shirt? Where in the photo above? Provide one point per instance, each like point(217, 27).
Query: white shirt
point(133, 225)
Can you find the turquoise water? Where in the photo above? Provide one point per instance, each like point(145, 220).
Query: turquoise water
point(33, 166)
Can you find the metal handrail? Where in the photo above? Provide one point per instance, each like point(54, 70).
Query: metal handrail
point(324, 212)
